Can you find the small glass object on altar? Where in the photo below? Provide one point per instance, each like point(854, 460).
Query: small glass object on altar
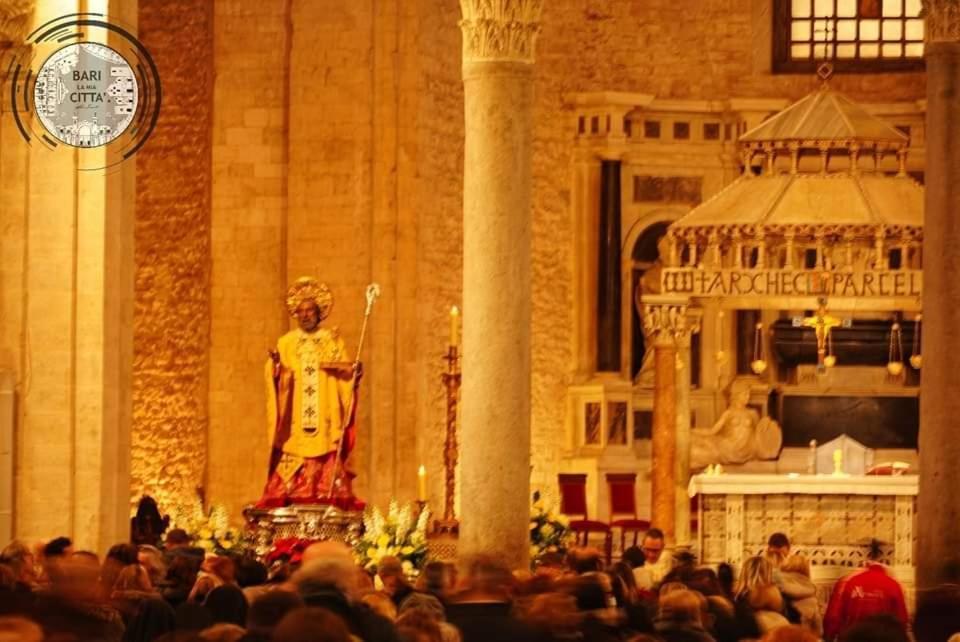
point(812, 459)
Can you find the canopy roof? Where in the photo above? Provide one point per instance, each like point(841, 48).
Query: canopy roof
point(840, 200)
point(826, 116)
point(854, 200)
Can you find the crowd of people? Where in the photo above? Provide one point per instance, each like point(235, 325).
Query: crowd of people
point(179, 593)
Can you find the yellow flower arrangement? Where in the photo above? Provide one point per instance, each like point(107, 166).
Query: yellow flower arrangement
point(549, 532)
point(209, 530)
point(400, 533)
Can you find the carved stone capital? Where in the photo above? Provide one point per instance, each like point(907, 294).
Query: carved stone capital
point(670, 323)
point(942, 20)
point(500, 30)
point(14, 21)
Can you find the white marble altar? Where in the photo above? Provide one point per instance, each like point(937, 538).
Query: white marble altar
point(827, 518)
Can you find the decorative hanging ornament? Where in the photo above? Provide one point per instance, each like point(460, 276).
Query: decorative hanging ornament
point(721, 355)
point(831, 359)
point(915, 359)
point(759, 364)
point(895, 353)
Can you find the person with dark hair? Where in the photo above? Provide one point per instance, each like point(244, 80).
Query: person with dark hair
point(227, 604)
point(58, 547)
point(266, 612)
point(633, 556)
point(395, 584)
point(656, 565)
point(629, 598)
point(938, 613)
point(779, 544)
point(153, 618)
point(883, 627)
point(147, 526)
point(868, 591)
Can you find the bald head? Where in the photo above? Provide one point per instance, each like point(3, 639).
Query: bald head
point(327, 550)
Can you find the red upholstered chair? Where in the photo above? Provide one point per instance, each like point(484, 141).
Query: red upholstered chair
point(573, 503)
point(623, 503)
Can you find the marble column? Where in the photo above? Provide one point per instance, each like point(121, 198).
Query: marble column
point(498, 46)
point(938, 505)
point(682, 453)
point(665, 318)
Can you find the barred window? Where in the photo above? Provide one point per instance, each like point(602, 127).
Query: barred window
point(855, 35)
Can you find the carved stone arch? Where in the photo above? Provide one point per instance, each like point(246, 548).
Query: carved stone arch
point(632, 336)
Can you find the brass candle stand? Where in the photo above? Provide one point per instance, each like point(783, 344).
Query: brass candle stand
point(451, 380)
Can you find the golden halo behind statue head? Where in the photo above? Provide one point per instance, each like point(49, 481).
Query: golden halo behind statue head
point(308, 288)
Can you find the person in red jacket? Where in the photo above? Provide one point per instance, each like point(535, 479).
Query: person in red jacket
point(863, 593)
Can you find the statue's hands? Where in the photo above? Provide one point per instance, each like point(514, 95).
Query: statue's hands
point(357, 372)
point(274, 356)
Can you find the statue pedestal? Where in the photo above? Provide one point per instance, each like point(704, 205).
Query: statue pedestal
point(302, 521)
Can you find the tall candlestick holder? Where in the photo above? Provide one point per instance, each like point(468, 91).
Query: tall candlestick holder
point(451, 452)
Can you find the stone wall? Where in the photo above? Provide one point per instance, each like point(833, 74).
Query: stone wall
point(337, 152)
point(248, 239)
point(172, 254)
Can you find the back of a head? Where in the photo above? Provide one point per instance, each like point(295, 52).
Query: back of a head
point(796, 563)
point(250, 572)
point(389, 566)
point(177, 537)
point(433, 578)
point(681, 606)
point(326, 550)
point(19, 629)
point(311, 624)
point(585, 560)
point(938, 613)
point(876, 628)
point(633, 556)
point(268, 609)
point(222, 632)
point(589, 593)
point(487, 576)
point(322, 575)
point(418, 626)
point(123, 553)
point(778, 540)
point(757, 572)
point(57, 547)
point(228, 604)
point(792, 633)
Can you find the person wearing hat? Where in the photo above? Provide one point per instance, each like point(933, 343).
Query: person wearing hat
point(311, 387)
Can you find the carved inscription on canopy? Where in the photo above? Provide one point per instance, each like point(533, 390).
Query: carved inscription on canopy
point(765, 283)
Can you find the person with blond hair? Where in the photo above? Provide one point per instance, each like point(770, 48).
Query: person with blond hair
point(757, 590)
point(799, 591)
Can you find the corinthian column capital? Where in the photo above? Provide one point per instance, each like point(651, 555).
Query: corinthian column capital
point(500, 30)
point(942, 20)
point(670, 322)
point(14, 21)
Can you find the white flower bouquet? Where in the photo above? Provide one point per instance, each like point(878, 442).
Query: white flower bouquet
point(209, 529)
point(549, 532)
point(401, 533)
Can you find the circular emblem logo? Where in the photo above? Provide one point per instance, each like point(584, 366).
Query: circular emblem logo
point(86, 94)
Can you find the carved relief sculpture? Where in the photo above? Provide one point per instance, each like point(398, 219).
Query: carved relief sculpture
point(739, 435)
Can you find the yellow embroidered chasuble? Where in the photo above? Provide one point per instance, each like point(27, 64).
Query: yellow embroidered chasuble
point(322, 395)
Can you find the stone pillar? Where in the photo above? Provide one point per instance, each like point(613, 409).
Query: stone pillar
point(71, 358)
point(938, 543)
point(684, 373)
point(498, 45)
point(608, 270)
point(665, 318)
